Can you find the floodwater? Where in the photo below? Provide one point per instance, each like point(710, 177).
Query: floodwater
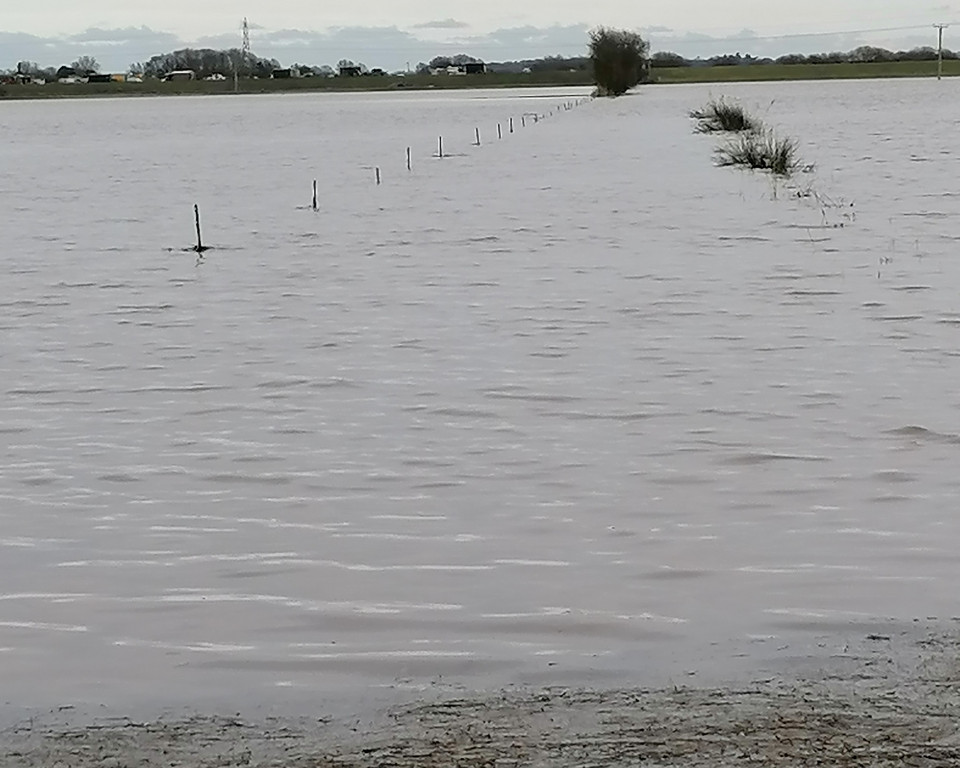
point(573, 404)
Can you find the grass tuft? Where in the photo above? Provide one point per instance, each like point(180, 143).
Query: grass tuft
point(763, 151)
point(720, 116)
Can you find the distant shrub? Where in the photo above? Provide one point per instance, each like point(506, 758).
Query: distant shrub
point(668, 59)
point(834, 57)
point(619, 59)
point(791, 58)
point(761, 150)
point(721, 116)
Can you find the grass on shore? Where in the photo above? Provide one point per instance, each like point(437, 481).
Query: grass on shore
point(294, 85)
point(760, 72)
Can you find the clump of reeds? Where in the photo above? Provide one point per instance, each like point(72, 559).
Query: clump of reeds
point(761, 150)
point(752, 145)
point(720, 116)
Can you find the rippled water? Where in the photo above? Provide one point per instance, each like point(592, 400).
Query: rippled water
point(571, 403)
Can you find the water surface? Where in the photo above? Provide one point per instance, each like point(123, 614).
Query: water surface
point(573, 404)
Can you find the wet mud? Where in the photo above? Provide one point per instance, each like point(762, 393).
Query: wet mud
point(886, 701)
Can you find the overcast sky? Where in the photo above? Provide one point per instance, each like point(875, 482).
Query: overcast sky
point(388, 33)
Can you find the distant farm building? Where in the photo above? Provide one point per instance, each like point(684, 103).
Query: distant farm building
point(468, 68)
point(285, 74)
point(350, 71)
point(17, 78)
point(180, 74)
point(98, 78)
point(67, 75)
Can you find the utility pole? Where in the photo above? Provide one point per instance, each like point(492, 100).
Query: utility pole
point(940, 28)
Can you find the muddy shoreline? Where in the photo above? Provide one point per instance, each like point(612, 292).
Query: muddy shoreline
point(886, 700)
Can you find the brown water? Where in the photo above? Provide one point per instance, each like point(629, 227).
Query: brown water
point(570, 405)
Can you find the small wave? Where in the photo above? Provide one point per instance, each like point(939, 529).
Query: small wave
point(465, 413)
point(134, 309)
point(895, 476)
point(918, 433)
point(172, 389)
point(234, 477)
point(536, 397)
point(334, 383)
point(283, 383)
point(119, 477)
point(764, 458)
point(597, 416)
point(44, 626)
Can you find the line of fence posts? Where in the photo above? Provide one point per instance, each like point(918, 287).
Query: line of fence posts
point(314, 205)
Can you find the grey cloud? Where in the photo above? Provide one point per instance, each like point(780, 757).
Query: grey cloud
point(143, 35)
point(391, 47)
point(224, 41)
point(442, 24)
point(363, 35)
point(387, 47)
point(368, 37)
point(114, 49)
point(530, 42)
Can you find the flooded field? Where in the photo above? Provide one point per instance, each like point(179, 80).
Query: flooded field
point(571, 407)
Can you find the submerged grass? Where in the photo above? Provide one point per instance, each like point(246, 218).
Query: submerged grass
point(761, 150)
point(721, 116)
point(752, 144)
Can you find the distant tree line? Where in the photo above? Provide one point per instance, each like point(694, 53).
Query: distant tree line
point(861, 55)
point(545, 64)
point(866, 53)
point(442, 62)
point(206, 62)
point(84, 65)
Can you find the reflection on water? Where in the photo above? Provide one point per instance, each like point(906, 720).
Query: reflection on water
point(571, 403)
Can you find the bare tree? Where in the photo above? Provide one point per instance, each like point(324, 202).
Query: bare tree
point(86, 64)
